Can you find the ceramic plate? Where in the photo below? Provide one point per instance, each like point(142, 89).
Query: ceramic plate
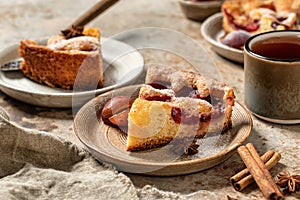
point(124, 63)
point(107, 144)
point(212, 32)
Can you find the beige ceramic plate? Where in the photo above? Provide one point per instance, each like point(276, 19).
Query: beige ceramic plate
point(212, 32)
point(107, 144)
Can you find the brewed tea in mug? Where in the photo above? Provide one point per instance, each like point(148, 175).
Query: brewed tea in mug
point(279, 48)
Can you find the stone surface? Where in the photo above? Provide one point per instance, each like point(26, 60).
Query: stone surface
point(34, 19)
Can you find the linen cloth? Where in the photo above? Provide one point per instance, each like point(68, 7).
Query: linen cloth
point(39, 165)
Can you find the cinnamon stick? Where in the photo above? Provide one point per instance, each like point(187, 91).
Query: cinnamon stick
point(263, 167)
point(245, 172)
point(242, 179)
point(259, 172)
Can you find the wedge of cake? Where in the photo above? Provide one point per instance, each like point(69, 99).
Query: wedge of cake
point(175, 103)
point(256, 16)
point(65, 60)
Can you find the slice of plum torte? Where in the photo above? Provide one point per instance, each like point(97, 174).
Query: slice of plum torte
point(71, 58)
point(175, 103)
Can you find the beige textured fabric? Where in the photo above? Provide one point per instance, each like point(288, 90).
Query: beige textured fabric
point(19, 146)
point(38, 165)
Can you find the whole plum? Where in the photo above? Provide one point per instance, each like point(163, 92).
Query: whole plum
point(236, 39)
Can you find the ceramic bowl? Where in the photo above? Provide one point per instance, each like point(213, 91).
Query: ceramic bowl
point(272, 85)
point(199, 11)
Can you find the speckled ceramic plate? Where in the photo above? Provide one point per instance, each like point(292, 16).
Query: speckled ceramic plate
point(124, 63)
point(108, 144)
point(212, 32)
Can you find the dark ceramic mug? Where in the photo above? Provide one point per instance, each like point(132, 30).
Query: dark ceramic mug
point(272, 76)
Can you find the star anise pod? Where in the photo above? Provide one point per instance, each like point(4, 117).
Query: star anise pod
point(73, 32)
point(186, 146)
point(290, 183)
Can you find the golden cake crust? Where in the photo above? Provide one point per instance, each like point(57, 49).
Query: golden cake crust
point(145, 130)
